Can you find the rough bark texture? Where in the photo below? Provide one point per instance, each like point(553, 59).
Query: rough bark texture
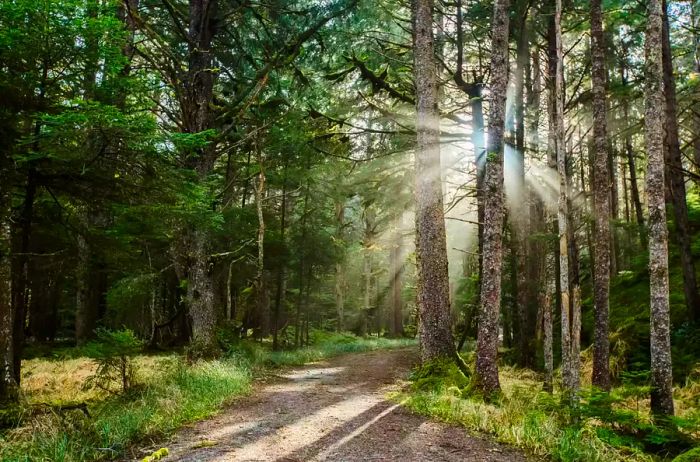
point(660, 339)
point(431, 247)
point(521, 193)
point(200, 297)
point(195, 106)
point(601, 258)
point(8, 384)
point(262, 300)
point(567, 324)
point(396, 271)
point(547, 301)
point(281, 271)
point(675, 179)
point(340, 267)
point(487, 339)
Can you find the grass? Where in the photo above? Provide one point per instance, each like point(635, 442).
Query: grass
point(169, 394)
point(618, 429)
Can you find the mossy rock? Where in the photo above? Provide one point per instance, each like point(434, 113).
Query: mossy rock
point(437, 374)
point(157, 455)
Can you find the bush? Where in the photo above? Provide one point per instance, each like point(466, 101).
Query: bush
point(114, 352)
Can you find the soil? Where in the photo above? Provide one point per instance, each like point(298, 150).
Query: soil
point(335, 410)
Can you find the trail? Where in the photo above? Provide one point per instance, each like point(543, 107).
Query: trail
point(334, 410)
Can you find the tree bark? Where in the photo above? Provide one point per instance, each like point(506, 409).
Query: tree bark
point(196, 101)
point(487, 339)
point(568, 322)
point(431, 246)
point(396, 257)
point(339, 267)
point(8, 384)
point(660, 337)
point(695, 12)
point(281, 271)
point(601, 258)
point(548, 301)
point(261, 296)
point(200, 297)
point(675, 178)
point(521, 193)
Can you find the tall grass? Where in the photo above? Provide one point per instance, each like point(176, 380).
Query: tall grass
point(171, 392)
point(526, 417)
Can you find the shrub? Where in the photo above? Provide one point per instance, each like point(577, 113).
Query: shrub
point(114, 351)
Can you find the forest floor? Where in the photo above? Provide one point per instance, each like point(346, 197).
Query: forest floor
point(331, 410)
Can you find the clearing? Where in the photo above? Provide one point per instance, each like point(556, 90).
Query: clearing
point(332, 410)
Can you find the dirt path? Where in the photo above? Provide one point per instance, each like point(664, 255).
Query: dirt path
point(335, 410)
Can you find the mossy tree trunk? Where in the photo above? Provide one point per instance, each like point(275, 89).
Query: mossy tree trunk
point(654, 114)
point(487, 339)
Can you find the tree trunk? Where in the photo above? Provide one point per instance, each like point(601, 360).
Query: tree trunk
point(200, 297)
point(548, 301)
point(431, 247)
point(660, 337)
point(85, 304)
point(396, 271)
point(601, 258)
point(196, 101)
point(521, 193)
point(695, 12)
point(568, 364)
point(261, 295)
point(487, 341)
point(8, 384)
point(675, 179)
point(279, 297)
point(339, 267)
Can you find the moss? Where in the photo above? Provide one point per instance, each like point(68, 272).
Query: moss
point(691, 456)
point(157, 455)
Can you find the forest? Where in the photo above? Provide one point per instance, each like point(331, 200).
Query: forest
point(350, 230)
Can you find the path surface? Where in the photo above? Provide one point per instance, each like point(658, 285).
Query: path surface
point(334, 410)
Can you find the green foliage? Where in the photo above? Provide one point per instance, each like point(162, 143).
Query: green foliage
point(690, 456)
point(114, 352)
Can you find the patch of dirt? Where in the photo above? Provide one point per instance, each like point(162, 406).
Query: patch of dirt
point(334, 410)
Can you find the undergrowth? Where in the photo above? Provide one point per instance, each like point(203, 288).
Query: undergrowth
point(603, 427)
point(167, 392)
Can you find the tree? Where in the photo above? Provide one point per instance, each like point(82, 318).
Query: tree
point(601, 186)
point(431, 247)
point(675, 177)
point(654, 115)
point(487, 341)
point(8, 384)
point(570, 308)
